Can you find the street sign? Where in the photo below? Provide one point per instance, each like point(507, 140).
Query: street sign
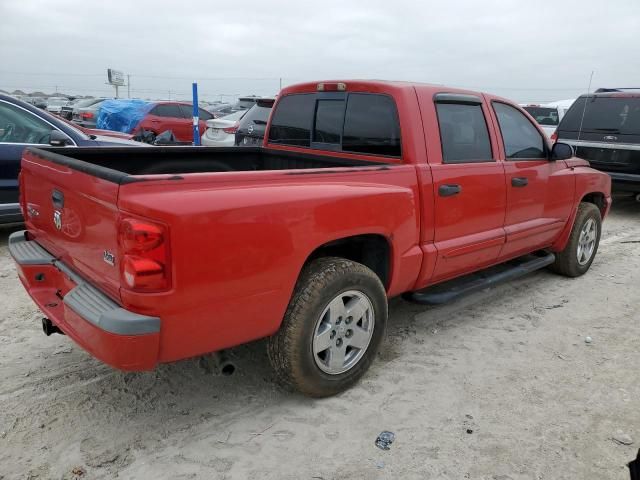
point(115, 77)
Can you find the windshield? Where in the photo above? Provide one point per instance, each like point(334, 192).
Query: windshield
point(604, 114)
point(543, 115)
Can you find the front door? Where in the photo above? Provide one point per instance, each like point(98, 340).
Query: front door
point(539, 191)
point(469, 188)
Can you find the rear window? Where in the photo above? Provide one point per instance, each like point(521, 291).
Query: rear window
point(258, 115)
point(356, 122)
point(245, 103)
point(328, 124)
point(543, 115)
point(604, 114)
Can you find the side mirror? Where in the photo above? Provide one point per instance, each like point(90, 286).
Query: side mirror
point(561, 151)
point(58, 139)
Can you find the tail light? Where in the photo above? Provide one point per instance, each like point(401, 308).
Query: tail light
point(554, 137)
point(145, 263)
point(86, 115)
point(232, 129)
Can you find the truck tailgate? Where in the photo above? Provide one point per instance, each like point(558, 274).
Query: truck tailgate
point(74, 216)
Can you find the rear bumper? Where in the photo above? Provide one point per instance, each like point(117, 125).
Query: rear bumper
point(118, 337)
point(625, 182)
point(10, 213)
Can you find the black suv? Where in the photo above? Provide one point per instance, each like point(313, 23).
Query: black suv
point(254, 123)
point(604, 128)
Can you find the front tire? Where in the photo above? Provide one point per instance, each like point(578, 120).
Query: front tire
point(578, 255)
point(332, 328)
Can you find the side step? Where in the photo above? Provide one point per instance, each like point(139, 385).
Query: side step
point(458, 287)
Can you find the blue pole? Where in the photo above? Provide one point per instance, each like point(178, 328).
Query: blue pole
point(196, 116)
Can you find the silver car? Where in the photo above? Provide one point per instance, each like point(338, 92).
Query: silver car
point(87, 116)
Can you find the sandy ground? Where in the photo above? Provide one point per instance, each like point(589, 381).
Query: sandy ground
point(510, 365)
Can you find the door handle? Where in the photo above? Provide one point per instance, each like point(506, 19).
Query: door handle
point(519, 182)
point(449, 190)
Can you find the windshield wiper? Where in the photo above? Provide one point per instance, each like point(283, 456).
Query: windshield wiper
point(612, 130)
point(260, 122)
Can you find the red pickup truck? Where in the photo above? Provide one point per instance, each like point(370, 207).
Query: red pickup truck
point(363, 190)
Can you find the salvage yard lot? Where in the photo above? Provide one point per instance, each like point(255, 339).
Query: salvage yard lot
point(509, 365)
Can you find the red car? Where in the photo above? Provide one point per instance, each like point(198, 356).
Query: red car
point(174, 116)
point(364, 190)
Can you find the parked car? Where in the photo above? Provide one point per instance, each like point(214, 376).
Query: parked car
point(87, 116)
point(219, 110)
point(245, 103)
point(604, 128)
point(547, 117)
point(66, 111)
point(364, 190)
point(55, 104)
point(37, 102)
point(562, 106)
point(174, 116)
point(21, 125)
point(221, 132)
point(251, 128)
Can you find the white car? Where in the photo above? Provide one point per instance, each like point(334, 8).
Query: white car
point(221, 132)
point(548, 115)
point(55, 104)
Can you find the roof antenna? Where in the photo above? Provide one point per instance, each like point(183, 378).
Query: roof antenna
point(584, 108)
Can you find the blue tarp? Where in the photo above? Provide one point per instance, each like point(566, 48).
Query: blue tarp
point(121, 115)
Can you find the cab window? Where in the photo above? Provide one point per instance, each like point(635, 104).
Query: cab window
point(463, 133)
point(520, 137)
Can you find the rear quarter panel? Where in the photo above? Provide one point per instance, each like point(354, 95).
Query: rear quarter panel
point(240, 240)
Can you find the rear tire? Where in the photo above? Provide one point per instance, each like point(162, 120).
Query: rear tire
point(332, 328)
point(578, 255)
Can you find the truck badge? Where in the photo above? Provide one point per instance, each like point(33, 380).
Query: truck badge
point(57, 219)
point(109, 258)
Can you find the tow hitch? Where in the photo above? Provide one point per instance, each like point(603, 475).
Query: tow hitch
point(49, 328)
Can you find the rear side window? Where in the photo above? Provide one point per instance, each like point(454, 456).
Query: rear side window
point(167, 110)
point(521, 139)
point(291, 123)
point(463, 133)
point(371, 125)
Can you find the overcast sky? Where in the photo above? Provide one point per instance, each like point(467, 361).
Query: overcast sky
point(527, 51)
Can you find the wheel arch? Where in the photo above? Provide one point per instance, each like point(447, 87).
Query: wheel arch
point(371, 250)
point(598, 199)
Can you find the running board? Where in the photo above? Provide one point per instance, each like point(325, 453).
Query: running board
point(474, 282)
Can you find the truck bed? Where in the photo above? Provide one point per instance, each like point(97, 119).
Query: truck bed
point(118, 164)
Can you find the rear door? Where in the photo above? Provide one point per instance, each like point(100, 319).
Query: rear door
point(468, 182)
point(73, 214)
point(167, 116)
point(539, 191)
